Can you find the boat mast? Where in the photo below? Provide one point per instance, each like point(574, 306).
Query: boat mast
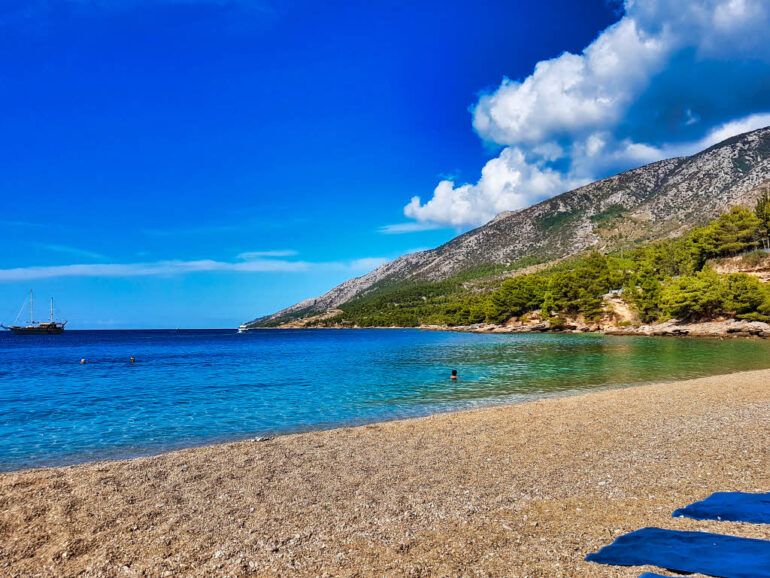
point(31, 307)
point(51, 309)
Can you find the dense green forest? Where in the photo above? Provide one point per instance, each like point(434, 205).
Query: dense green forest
point(661, 280)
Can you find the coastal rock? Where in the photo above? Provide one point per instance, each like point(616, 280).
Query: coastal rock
point(755, 328)
point(718, 328)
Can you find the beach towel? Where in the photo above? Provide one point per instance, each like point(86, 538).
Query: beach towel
point(710, 554)
point(730, 507)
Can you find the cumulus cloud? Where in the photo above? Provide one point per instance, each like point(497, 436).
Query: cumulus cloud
point(179, 267)
point(507, 181)
point(669, 78)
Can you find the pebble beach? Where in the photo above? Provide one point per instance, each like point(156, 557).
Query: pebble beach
point(522, 490)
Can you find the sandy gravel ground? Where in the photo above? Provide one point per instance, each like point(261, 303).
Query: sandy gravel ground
point(524, 490)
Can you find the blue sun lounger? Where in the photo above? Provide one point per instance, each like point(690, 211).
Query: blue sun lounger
point(703, 552)
point(730, 507)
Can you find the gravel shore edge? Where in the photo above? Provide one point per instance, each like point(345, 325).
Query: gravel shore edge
point(521, 490)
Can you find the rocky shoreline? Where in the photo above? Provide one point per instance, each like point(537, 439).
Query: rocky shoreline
point(720, 328)
point(619, 318)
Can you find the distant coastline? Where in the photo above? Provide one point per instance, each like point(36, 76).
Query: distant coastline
point(720, 328)
point(723, 328)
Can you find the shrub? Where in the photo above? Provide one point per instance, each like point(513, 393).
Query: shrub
point(556, 322)
point(754, 258)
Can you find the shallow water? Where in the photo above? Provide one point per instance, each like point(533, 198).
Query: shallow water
point(193, 387)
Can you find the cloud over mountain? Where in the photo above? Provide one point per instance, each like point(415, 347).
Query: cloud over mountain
point(246, 263)
point(668, 78)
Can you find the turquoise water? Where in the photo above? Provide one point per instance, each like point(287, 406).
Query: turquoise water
point(195, 387)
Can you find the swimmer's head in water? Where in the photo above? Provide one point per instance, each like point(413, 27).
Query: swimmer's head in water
point(454, 374)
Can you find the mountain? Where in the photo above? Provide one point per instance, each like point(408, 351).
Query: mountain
point(658, 200)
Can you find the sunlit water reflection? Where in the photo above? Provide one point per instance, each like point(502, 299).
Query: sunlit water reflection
point(194, 387)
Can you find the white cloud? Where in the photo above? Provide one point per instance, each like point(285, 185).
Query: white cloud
point(365, 264)
point(507, 181)
point(670, 78)
point(248, 255)
point(728, 129)
point(647, 153)
point(411, 227)
point(71, 250)
point(179, 267)
point(572, 94)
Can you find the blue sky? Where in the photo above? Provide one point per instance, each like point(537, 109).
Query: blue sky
point(186, 163)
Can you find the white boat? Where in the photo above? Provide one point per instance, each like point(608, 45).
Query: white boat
point(50, 327)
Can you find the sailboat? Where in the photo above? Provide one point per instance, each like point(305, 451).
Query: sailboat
point(50, 327)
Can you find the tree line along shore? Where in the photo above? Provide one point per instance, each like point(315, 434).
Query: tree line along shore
point(714, 271)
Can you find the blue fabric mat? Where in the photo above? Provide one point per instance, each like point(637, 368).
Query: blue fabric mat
point(730, 507)
point(710, 554)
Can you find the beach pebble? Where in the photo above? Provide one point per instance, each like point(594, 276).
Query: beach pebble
point(397, 500)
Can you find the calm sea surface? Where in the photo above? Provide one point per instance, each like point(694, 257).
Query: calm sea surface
point(195, 387)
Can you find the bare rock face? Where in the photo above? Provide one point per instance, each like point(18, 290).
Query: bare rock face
point(655, 201)
point(757, 265)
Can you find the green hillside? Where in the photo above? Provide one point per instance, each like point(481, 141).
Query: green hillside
point(662, 280)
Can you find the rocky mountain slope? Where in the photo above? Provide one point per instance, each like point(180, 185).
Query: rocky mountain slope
point(654, 201)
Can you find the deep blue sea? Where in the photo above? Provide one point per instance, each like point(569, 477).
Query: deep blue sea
point(188, 388)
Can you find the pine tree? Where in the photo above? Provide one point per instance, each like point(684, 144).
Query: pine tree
point(762, 211)
point(732, 233)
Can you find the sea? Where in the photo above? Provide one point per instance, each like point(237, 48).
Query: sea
point(189, 388)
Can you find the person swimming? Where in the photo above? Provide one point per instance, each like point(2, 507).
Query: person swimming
point(454, 374)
